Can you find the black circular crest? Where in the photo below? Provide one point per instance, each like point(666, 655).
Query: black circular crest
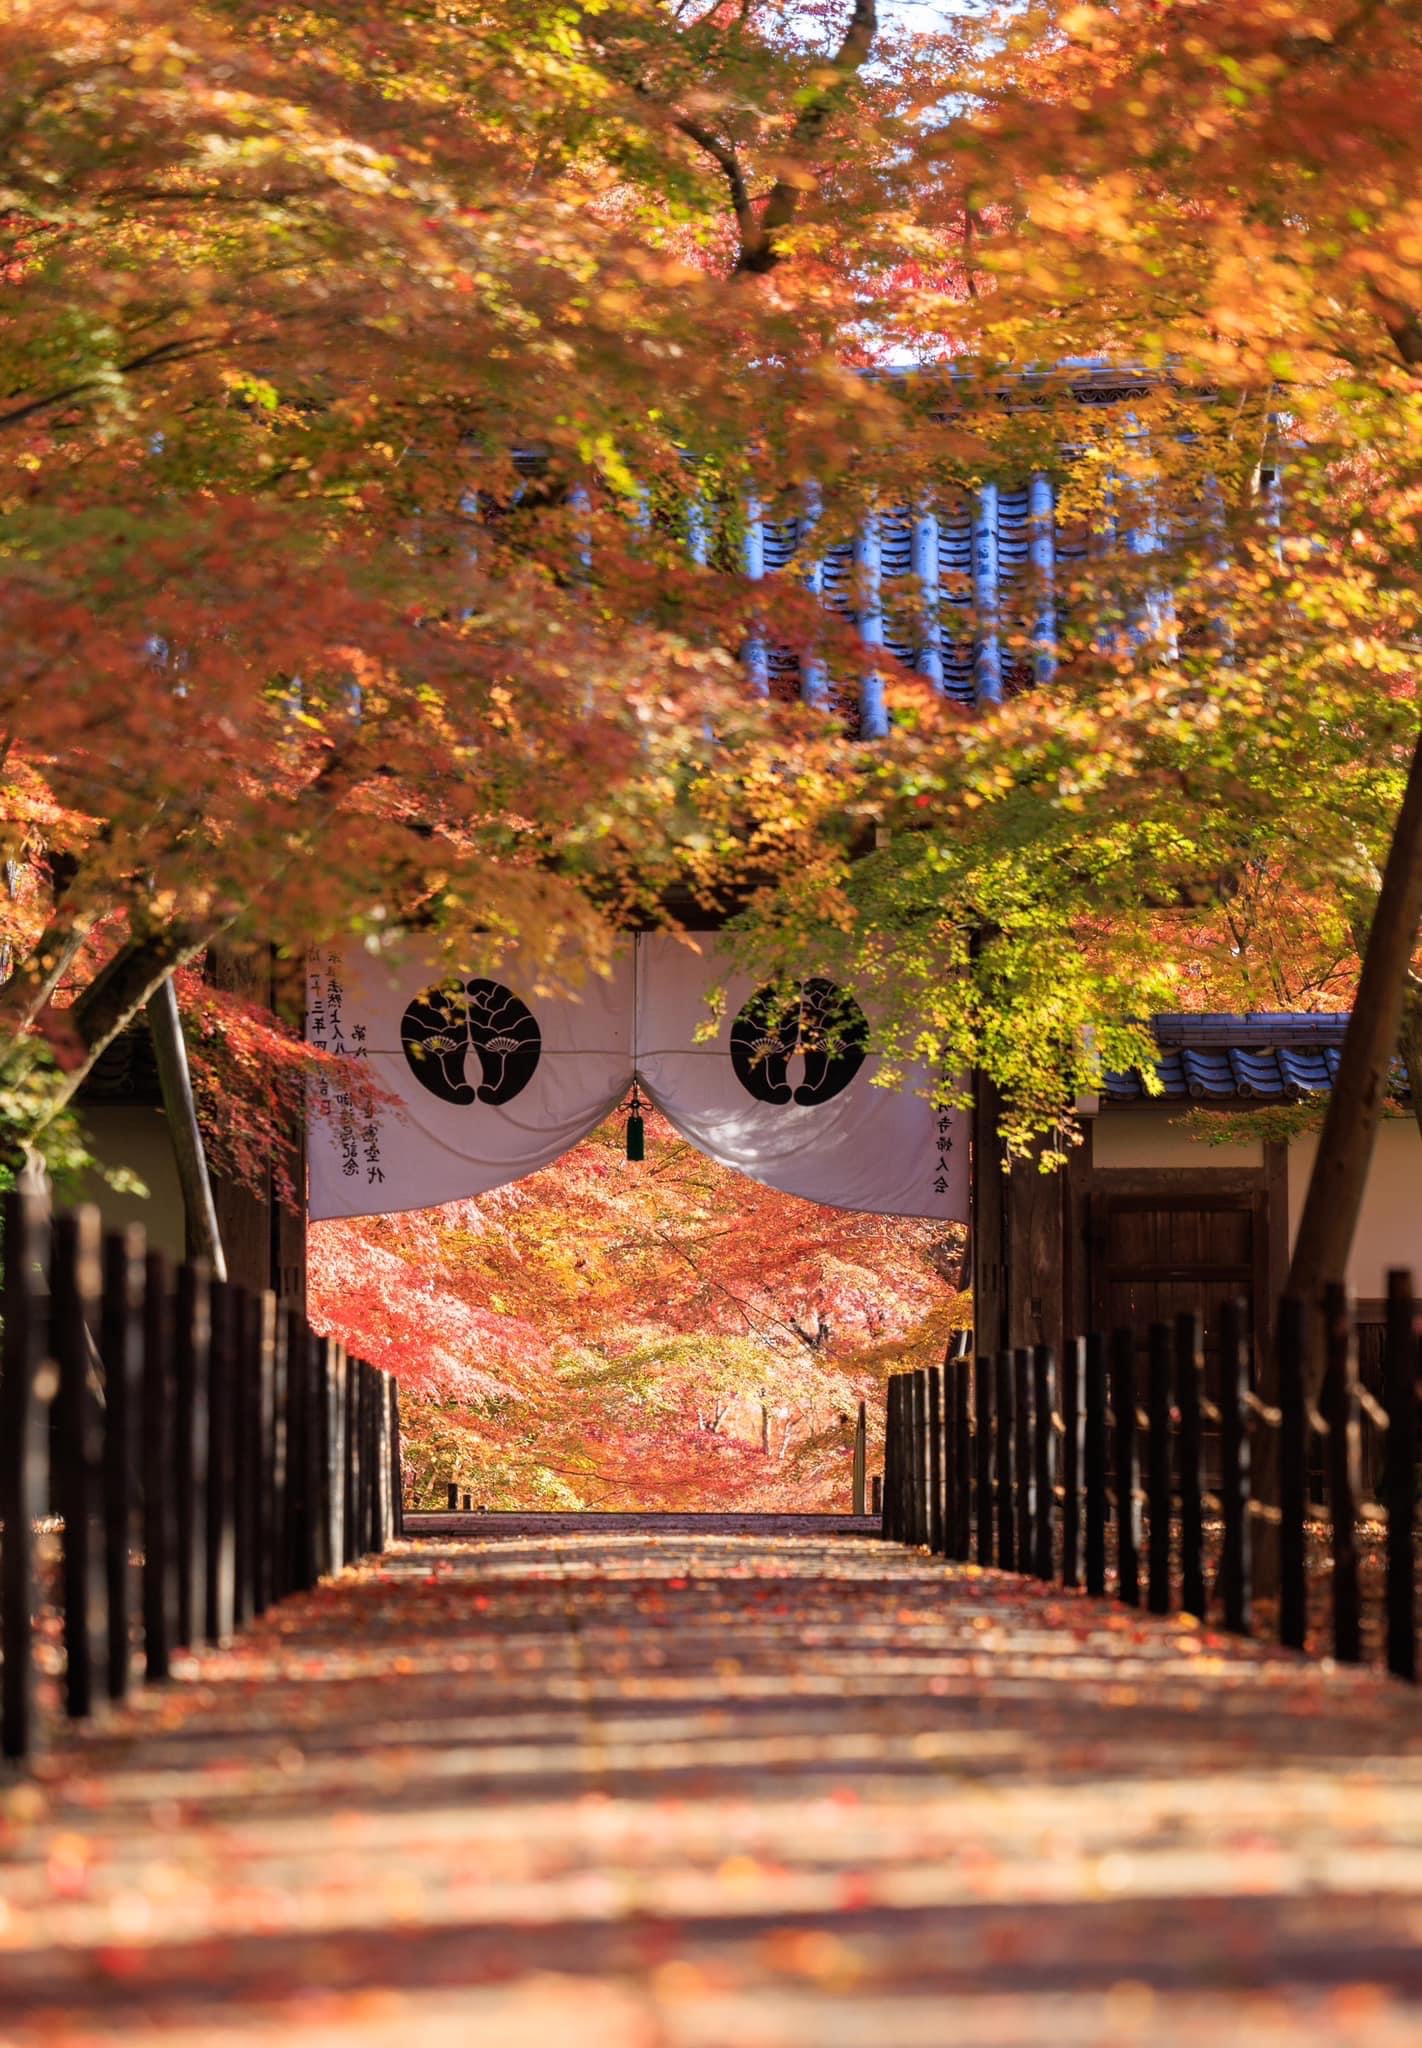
point(818, 1020)
point(447, 1022)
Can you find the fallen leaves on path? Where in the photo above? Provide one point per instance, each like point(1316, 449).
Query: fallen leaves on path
point(677, 1789)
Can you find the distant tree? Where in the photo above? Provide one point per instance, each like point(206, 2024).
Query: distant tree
point(617, 1331)
point(1223, 201)
point(345, 349)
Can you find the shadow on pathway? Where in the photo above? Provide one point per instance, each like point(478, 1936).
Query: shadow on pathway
point(660, 1787)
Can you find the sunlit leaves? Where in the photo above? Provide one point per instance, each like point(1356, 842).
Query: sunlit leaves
point(611, 1334)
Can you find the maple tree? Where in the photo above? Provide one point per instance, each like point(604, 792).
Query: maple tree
point(1251, 213)
point(1222, 204)
point(339, 344)
point(614, 1334)
point(349, 575)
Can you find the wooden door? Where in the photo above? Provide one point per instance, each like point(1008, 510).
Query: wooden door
point(1153, 1255)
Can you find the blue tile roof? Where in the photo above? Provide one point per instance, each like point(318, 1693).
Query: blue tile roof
point(973, 592)
point(1270, 1056)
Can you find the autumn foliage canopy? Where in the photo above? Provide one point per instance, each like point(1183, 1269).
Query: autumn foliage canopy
point(365, 369)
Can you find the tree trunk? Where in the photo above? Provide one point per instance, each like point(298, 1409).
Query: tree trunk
point(1345, 1146)
point(36, 978)
point(1350, 1126)
point(204, 1240)
point(1411, 1043)
point(111, 1001)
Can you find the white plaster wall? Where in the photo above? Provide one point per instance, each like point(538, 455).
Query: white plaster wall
point(1389, 1229)
point(121, 1135)
point(1151, 1138)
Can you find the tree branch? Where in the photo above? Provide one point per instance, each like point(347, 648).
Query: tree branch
point(1404, 326)
point(759, 226)
point(730, 165)
point(782, 202)
point(165, 1023)
point(178, 350)
point(36, 978)
point(113, 999)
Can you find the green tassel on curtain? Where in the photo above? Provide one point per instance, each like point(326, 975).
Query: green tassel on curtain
point(636, 1129)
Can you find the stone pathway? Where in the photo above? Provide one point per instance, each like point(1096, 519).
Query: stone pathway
point(721, 1787)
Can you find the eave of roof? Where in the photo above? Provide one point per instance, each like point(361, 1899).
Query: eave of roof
point(1268, 1056)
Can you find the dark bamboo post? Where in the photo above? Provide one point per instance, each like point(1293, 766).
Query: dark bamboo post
point(372, 1462)
point(220, 1563)
point(250, 1390)
point(251, 1398)
point(242, 1396)
point(876, 1500)
point(1073, 1416)
point(1234, 1468)
point(949, 1455)
point(361, 1448)
point(375, 1456)
point(75, 1441)
point(281, 1452)
point(1340, 1412)
point(1128, 1507)
point(962, 1463)
point(1158, 1468)
point(904, 1463)
point(318, 1422)
point(360, 1436)
point(379, 1461)
point(375, 1461)
point(1044, 1525)
point(295, 1448)
point(1006, 1491)
point(381, 1430)
point(952, 1472)
point(1293, 1473)
point(1189, 1366)
point(339, 1455)
point(22, 1460)
point(920, 1456)
point(159, 1563)
point(392, 1491)
point(1095, 1441)
point(886, 1489)
point(361, 1422)
point(121, 1347)
point(348, 1410)
point(904, 1516)
point(306, 1412)
point(1022, 1468)
point(397, 1466)
point(264, 1585)
point(363, 1514)
point(257, 1393)
point(859, 1463)
point(311, 1458)
point(324, 1445)
point(935, 1461)
point(983, 1456)
point(1400, 1473)
point(888, 1518)
point(191, 1339)
point(365, 1521)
